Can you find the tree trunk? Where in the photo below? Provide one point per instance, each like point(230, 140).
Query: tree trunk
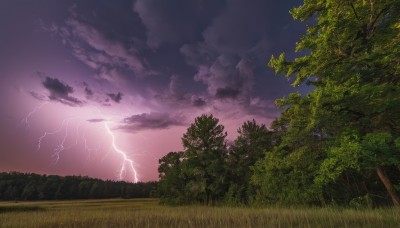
point(388, 185)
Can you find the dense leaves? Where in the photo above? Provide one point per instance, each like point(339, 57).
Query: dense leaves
point(353, 62)
point(252, 142)
point(27, 186)
point(197, 174)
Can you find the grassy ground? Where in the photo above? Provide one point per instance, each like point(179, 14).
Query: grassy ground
point(147, 213)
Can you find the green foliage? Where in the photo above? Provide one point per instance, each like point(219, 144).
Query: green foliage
point(379, 149)
point(198, 174)
point(205, 151)
point(24, 186)
point(171, 185)
point(286, 179)
point(361, 202)
point(345, 156)
point(348, 126)
point(349, 37)
point(250, 146)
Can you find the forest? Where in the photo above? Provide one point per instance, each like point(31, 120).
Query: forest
point(336, 145)
point(28, 186)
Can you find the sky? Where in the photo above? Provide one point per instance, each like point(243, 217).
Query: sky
point(106, 88)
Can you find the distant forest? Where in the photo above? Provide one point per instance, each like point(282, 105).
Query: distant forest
point(337, 145)
point(29, 186)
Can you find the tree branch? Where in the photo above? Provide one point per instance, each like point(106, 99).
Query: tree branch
point(354, 11)
point(372, 25)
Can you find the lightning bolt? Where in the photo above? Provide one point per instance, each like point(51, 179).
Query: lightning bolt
point(127, 164)
point(127, 160)
point(35, 109)
point(89, 149)
point(62, 147)
point(46, 133)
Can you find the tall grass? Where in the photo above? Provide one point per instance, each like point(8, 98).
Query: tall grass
point(147, 213)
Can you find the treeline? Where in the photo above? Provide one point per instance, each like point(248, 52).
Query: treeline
point(337, 145)
point(29, 186)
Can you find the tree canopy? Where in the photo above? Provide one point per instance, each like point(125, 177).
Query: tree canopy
point(353, 61)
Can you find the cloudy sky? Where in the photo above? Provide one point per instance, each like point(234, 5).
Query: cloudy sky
point(106, 88)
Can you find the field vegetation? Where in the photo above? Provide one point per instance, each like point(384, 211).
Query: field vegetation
point(149, 213)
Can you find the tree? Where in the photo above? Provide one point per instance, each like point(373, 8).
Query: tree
point(172, 183)
point(84, 188)
point(97, 191)
point(21, 186)
point(49, 188)
point(30, 192)
point(353, 60)
point(286, 174)
point(204, 155)
point(250, 145)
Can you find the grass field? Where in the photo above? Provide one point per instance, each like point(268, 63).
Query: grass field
point(147, 213)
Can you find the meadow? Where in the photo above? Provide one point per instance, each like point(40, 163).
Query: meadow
point(148, 213)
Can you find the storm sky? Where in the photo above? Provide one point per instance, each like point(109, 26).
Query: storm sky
point(92, 87)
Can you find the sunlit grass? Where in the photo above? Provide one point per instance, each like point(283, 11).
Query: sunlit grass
point(147, 213)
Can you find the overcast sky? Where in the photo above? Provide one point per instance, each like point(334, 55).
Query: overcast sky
point(98, 87)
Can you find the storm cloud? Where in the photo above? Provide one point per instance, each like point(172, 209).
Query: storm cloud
point(176, 21)
point(60, 92)
point(151, 121)
point(88, 91)
point(116, 97)
point(226, 93)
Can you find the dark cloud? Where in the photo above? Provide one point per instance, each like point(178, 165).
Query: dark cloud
point(104, 51)
point(231, 56)
point(115, 97)
point(60, 92)
point(231, 47)
point(55, 86)
point(175, 95)
point(176, 21)
point(257, 106)
point(90, 45)
point(198, 54)
point(152, 121)
point(241, 27)
point(96, 120)
point(88, 92)
point(175, 86)
point(199, 102)
point(227, 74)
point(227, 93)
point(211, 50)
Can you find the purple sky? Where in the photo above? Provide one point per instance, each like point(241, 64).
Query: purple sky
point(106, 88)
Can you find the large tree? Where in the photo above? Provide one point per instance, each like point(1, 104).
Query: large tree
point(204, 155)
point(251, 144)
point(286, 174)
point(352, 58)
